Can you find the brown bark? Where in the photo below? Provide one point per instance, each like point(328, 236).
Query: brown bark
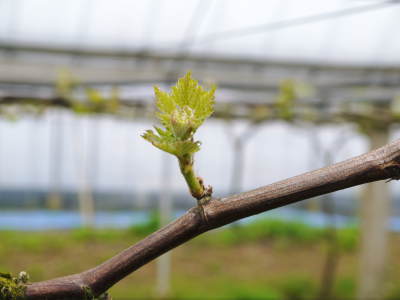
point(383, 163)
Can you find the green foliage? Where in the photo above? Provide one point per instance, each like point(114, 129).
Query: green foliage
point(286, 100)
point(181, 112)
point(283, 232)
point(32, 243)
point(94, 101)
point(223, 287)
point(345, 288)
point(85, 234)
point(280, 232)
point(13, 288)
point(292, 287)
point(394, 292)
point(348, 238)
point(148, 227)
point(296, 288)
point(65, 83)
point(251, 292)
point(210, 276)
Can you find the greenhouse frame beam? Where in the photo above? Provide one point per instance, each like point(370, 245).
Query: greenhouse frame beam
point(22, 63)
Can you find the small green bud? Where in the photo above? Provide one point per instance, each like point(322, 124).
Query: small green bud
point(182, 122)
point(23, 277)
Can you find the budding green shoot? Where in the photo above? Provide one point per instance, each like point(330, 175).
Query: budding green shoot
point(181, 112)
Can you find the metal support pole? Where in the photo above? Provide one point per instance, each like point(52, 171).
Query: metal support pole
point(237, 166)
point(85, 197)
point(374, 210)
point(2, 163)
point(165, 209)
point(239, 155)
point(54, 200)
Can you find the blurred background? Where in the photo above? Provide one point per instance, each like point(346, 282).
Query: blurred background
point(301, 84)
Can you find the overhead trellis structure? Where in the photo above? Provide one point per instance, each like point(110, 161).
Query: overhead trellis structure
point(363, 114)
point(248, 88)
point(103, 67)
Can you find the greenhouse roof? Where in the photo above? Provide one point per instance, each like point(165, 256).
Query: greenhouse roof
point(336, 31)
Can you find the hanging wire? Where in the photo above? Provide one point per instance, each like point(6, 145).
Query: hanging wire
point(219, 11)
point(387, 38)
point(196, 22)
point(83, 22)
point(327, 42)
point(149, 28)
point(13, 20)
point(280, 10)
point(258, 29)
point(190, 35)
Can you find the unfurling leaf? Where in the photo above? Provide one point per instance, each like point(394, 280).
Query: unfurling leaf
point(181, 111)
point(170, 145)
